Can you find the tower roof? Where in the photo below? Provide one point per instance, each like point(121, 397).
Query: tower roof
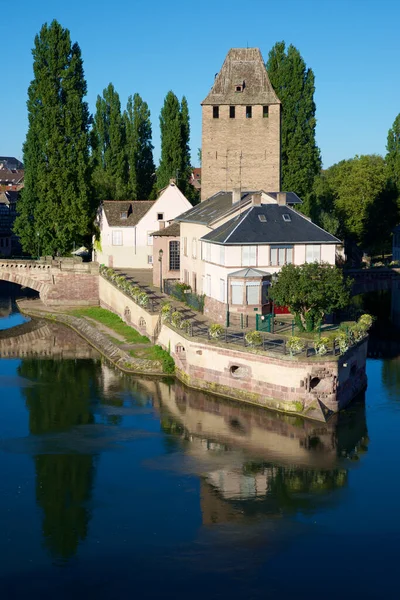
point(243, 79)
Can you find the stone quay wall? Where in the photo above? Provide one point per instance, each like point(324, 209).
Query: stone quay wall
point(313, 387)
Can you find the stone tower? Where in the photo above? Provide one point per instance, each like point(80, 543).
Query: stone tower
point(241, 127)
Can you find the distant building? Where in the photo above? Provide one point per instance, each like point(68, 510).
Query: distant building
point(9, 243)
point(126, 227)
point(195, 178)
point(241, 127)
point(11, 179)
point(10, 162)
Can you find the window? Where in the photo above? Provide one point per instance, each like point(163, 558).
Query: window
point(313, 253)
point(215, 112)
point(160, 216)
point(206, 251)
point(232, 112)
point(149, 239)
point(222, 290)
point(222, 255)
point(281, 255)
point(124, 215)
point(186, 276)
point(238, 88)
point(194, 248)
point(286, 218)
point(194, 282)
point(264, 292)
point(265, 112)
point(208, 283)
point(149, 259)
point(253, 292)
point(117, 238)
point(184, 246)
point(248, 112)
point(249, 256)
point(174, 256)
point(262, 218)
point(237, 292)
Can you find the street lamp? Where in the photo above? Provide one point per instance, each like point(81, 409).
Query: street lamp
point(38, 250)
point(160, 255)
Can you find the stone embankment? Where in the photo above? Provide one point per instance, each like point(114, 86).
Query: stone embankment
point(117, 356)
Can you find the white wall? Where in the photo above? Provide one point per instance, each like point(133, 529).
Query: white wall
point(135, 250)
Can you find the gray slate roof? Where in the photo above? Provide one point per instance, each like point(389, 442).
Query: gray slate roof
point(173, 230)
point(136, 210)
point(242, 65)
point(247, 228)
point(220, 205)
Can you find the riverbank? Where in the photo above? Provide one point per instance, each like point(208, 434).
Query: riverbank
point(99, 337)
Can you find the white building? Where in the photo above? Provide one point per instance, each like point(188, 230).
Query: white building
point(126, 228)
point(232, 243)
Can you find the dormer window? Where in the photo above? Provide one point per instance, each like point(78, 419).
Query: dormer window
point(124, 215)
point(286, 218)
point(239, 88)
point(262, 218)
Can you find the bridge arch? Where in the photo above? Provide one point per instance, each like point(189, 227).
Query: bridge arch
point(23, 277)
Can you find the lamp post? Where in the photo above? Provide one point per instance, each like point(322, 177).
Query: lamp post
point(274, 278)
point(160, 255)
point(38, 250)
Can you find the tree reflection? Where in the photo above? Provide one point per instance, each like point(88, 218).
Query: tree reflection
point(391, 376)
point(61, 400)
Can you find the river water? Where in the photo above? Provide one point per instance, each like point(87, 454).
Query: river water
point(113, 487)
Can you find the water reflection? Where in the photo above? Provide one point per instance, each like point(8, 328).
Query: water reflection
point(59, 401)
point(253, 461)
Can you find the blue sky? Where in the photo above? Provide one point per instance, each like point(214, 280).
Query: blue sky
point(154, 46)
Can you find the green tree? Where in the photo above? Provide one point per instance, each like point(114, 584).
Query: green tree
point(56, 207)
point(393, 152)
point(311, 291)
point(294, 84)
point(110, 173)
point(139, 149)
point(171, 141)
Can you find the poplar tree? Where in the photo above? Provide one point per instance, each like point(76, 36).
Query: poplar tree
point(139, 149)
point(56, 207)
point(294, 84)
point(171, 141)
point(110, 175)
point(393, 153)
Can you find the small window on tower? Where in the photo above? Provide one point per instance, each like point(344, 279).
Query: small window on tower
point(248, 112)
point(232, 112)
point(265, 112)
point(215, 112)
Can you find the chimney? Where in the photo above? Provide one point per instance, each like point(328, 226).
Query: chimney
point(281, 197)
point(236, 195)
point(172, 181)
point(161, 225)
point(256, 199)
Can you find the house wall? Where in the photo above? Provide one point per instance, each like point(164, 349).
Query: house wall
point(192, 266)
point(240, 152)
point(135, 251)
point(162, 243)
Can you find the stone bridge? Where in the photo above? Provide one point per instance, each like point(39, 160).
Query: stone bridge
point(61, 281)
point(373, 280)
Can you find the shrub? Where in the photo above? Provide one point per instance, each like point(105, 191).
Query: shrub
point(321, 346)
point(176, 319)
point(254, 338)
point(186, 325)
point(166, 312)
point(365, 321)
point(342, 339)
point(215, 331)
point(143, 299)
point(295, 345)
point(394, 263)
point(378, 264)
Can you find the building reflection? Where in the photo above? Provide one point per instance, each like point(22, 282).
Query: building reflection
point(252, 461)
point(60, 400)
